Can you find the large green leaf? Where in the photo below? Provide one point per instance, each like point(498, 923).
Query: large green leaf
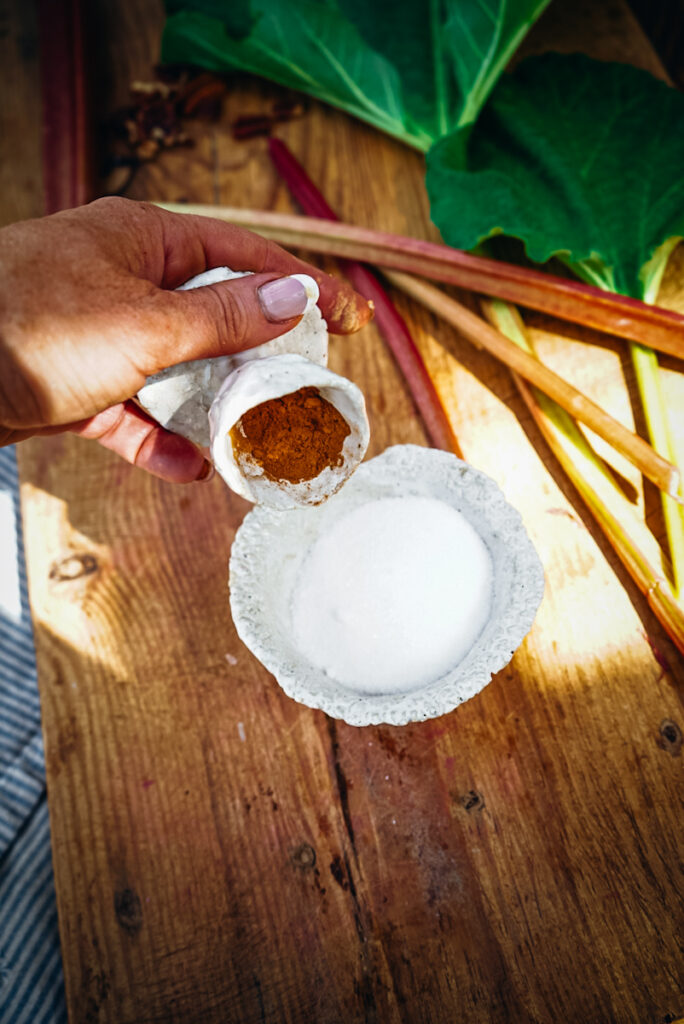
point(303, 44)
point(411, 38)
point(416, 70)
point(481, 38)
point(579, 159)
point(449, 53)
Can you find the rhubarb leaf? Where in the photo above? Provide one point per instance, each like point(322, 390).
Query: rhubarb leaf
point(302, 44)
point(416, 71)
point(583, 161)
point(579, 159)
point(236, 15)
point(448, 53)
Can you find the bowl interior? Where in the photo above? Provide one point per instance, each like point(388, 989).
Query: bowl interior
point(270, 548)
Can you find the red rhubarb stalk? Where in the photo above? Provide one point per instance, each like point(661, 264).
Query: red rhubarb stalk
point(391, 324)
point(661, 329)
point(67, 134)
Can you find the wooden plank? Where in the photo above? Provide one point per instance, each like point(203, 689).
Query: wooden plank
point(222, 853)
point(21, 182)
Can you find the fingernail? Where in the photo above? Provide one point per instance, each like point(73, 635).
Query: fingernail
point(282, 299)
point(207, 471)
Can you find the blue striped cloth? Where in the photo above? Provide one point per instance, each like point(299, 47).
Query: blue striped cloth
point(31, 981)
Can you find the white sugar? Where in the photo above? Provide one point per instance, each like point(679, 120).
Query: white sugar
point(393, 595)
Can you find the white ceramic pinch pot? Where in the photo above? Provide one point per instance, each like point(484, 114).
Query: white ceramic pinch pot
point(259, 381)
point(486, 574)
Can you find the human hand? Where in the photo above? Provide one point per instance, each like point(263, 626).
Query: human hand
point(88, 312)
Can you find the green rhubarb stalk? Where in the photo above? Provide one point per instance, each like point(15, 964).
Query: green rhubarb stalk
point(507, 319)
point(647, 372)
point(591, 479)
point(649, 384)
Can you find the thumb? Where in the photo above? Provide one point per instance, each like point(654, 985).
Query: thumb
point(219, 319)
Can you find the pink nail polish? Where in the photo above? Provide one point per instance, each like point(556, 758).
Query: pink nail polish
point(282, 299)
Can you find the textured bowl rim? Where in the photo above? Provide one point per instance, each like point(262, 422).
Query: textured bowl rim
point(404, 467)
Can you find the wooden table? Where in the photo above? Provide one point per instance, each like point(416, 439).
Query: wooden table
point(223, 854)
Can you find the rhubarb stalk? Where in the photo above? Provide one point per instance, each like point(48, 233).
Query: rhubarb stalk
point(593, 482)
point(647, 372)
point(575, 301)
point(391, 324)
point(662, 473)
point(67, 133)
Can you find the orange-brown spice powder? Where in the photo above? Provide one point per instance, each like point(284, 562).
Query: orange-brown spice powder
point(292, 438)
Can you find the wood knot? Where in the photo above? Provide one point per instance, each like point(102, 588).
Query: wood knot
point(73, 567)
point(128, 910)
point(472, 801)
point(304, 857)
point(669, 737)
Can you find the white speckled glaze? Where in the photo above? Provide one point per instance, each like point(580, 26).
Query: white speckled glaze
point(270, 547)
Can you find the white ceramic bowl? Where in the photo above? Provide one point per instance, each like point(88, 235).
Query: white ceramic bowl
point(270, 548)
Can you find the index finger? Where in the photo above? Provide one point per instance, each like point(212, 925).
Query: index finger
point(194, 243)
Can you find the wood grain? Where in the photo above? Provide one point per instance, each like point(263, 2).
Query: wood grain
point(224, 854)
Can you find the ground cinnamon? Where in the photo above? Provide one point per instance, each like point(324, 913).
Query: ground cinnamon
point(292, 438)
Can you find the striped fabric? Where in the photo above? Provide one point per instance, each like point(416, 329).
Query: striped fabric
point(31, 981)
